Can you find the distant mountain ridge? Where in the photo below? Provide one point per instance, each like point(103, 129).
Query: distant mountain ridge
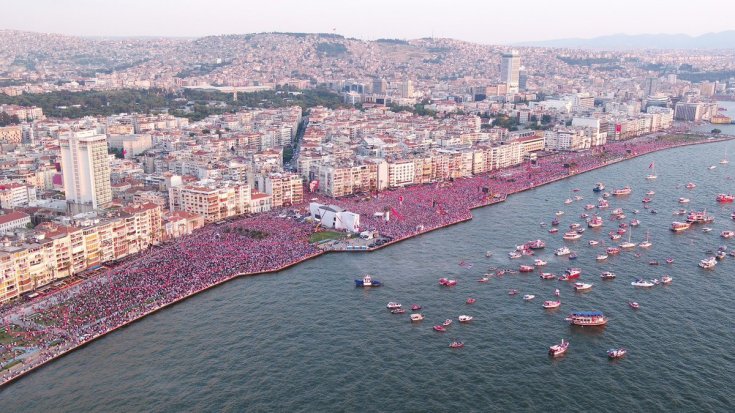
point(719, 40)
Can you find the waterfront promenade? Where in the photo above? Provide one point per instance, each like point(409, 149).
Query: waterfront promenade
point(57, 324)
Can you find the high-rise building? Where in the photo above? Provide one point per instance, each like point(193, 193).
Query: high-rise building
point(650, 88)
point(380, 86)
point(86, 169)
point(522, 79)
point(510, 66)
point(407, 89)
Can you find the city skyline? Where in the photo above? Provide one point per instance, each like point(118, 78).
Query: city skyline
point(499, 23)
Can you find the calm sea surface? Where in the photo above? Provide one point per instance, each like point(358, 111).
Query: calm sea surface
point(306, 340)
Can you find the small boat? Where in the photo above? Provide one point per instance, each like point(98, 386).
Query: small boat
point(720, 255)
point(690, 185)
point(613, 250)
point(706, 229)
point(608, 275)
point(548, 304)
point(558, 213)
point(572, 235)
point(601, 257)
point(470, 301)
point(599, 187)
point(573, 256)
point(526, 268)
point(488, 254)
point(587, 319)
point(634, 305)
point(447, 322)
point(464, 318)
point(649, 193)
point(513, 292)
point(681, 211)
point(440, 328)
point(483, 280)
point(539, 262)
point(562, 251)
point(515, 254)
point(398, 311)
point(582, 287)
point(652, 175)
point(559, 349)
point(622, 191)
point(392, 306)
point(594, 242)
point(568, 201)
point(572, 273)
point(616, 353)
point(553, 230)
point(555, 222)
point(415, 307)
point(642, 283)
point(712, 167)
point(595, 222)
point(727, 234)
point(547, 276)
point(367, 281)
point(528, 297)
point(602, 204)
point(646, 200)
point(647, 243)
point(635, 223)
point(589, 207)
point(417, 317)
point(683, 200)
point(708, 263)
point(447, 283)
point(556, 292)
point(725, 198)
point(456, 344)
point(653, 262)
point(669, 260)
point(666, 279)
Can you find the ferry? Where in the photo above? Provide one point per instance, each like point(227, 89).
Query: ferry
point(367, 281)
point(696, 217)
point(680, 226)
point(595, 222)
point(622, 191)
point(392, 306)
point(549, 304)
point(562, 251)
point(587, 319)
point(725, 198)
point(690, 185)
point(526, 268)
point(535, 245)
point(616, 353)
point(582, 287)
point(559, 349)
point(572, 235)
point(607, 275)
point(642, 283)
point(416, 317)
point(727, 234)
point(599, 187)
point(464, 318)
point(547, 276)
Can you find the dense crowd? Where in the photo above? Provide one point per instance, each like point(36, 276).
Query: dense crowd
point(267, 242)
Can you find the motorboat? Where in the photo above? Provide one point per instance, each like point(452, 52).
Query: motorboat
point(367, 281)
point(608, 275)
point(572, 236)
point(587, 319)
point(616, 353)
point(599, 187)
point(562, 251)
point(622, 191)
point(669, 260)
point(725, 198)
point(720, 255)
point(573, 256)
point(568, 201)
point(574, 226)
point(706, 229)
point(589, 207)
point(602, 204)
point(602, 257)
point(547, 276)
point(700, 217)
point(470, 300)
point(415, 307)
point(447, 322)
point(666, 279)
point(483, 280)
point(690, 185)
point(417, 317)
point(535, 245)
point(677, 226)
point(711, 167)
point(392, 305)
point(515, 254)
point(595, 222)
point(649, 193)
point(683, 200)
point(571, 274)
point(634, 305)
point(582, 287)
point(528, 297)
point(559, 213)
point(488, 254)
point(539, 262)
point(646, 200)
point(615, 237)
point(594, 242)
point(613, 250)
point(680, 211)
point(727, 234)
point(653, 262)
point(447, 283)
point(635, 223)
point(464, 318)
point(553, 230)
point(526, 268)
point(559, 349)
point(555, 222)
point(440, 328)
point(513, 292)
point(642, 283)
point(578, 197)
point(549, 304)
point(398, 311)
point(456, 344)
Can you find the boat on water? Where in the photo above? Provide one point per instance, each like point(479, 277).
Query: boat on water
point(555, 222)
point(582, 286)
point(727, 234)
point(700, 217)
point(573, 256)
point(683, 200)
point(622, 191)
point(711, 167)
point(595, 222)
point(647, 243)
point(415, 307)
point(483, 280)
point(690, 185)
point(562, 251)
point(652, 175)
point(725, 198)
point(601, 257)
point(635, 223)
point(513, 292)
point(447, 283)
point(568, 201)
point(677, 226)
point(666, 279)
point(464, 318)
point(398, 311)
point(634, 305)
point(613, 250)
point(456, 344)
point(515, 254)
point(642, 283)
point(539, 262)
point(572, 236)
point(553, 230)
point(574, 225)
point(720, 255)
point(669, 260)
point(602, 204)
point(549, 304)
point(594, 242)
point(547, 276)
point(599, 187)
point(536, 244)
point(649, 193)
point(392, 305)
point(440, 328)
point(528, 297)
point(615, 237)
point(470, 300)
point(571, 274)
point(587, 319)
point(608, 275)
point(367, 281)
point(616, 353)
point(526, 268)
point(628, 244)
point(559, 213)
point(447, 322)
point(589, 207)
point(417, 317)
point(488, 254)
point(559, 349)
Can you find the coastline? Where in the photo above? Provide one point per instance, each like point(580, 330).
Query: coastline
point(72, 346)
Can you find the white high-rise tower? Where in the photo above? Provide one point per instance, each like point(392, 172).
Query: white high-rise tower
point(85, 166)
point(510, 66)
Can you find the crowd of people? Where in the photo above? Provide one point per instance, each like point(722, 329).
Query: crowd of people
point(262, 243)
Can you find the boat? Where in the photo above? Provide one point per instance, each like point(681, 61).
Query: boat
point(616, 353)
point(447, 322)
point(720, 255)
point(727, 234)
point(683, 200)
point(635, 223)
point(708, 263)
point(573, 256)
point(603, 204)
point(628, 244)
point(613, 250)
point(513, 292)
point(447, 283)
point(582, 286)
point(595, 222)
point(470, 300)
point(724, 160)
point(415, 307)
point(515, 254)
point(572, 236)
point(690, 185)
point(725, 198)
point(712, 167)
point(680, 211)
point(526, 268)
point(562, 251)
point(483, 280)
point(616, 211)
point(593, 242)
point(666, 279)
point(464, 318)
point(440, 328)
point(568, 201)
point(608, 275)
point(559, 349)
point(574, 226)
point(677, 226)
point(536, 245)
point(456, 344)
point(392, 306)
point(556, 292)
point(653, 262)
point(571, 274)
point(696, 217)
point(669, 260)
point(615, 237)
point(652, 175)
point(649, 193)
point(642, 283)
point(367, 281)
point(647, 243)
point(539, 262)
point(589, 207)
point(553, 230)
point(599, 187)
point(555, 222)
point(558, 213)
point(397, 311)
point(587, 319)
point(601, 257)
point(549, 304)
point(634, 305)
point(547, 276)
point(488, 254)
point(417, 317)
point(622, 191)
point(528, 297)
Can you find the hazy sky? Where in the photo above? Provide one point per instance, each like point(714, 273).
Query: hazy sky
point(483, 21)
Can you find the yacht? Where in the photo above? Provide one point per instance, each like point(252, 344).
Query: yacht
point(559, 349)
point(647, 243)
point(582, 287)
point(642, 283)
point(607, 275)
point(562, 251)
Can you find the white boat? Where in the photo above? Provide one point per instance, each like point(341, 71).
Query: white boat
point(559, 349)
point(539, 262)
point(727, 234)
point(690, 185)
point(582, 286)
point(562, 251)
point(666, 279)
point(712, 167)
point(417, 317)
point(708, 263)
point(528, 297)
point(683, 200)
point(647, 243)
point(549, 304)
point(608, 275)
point(594, 242)
point(572, 235)
point(642, 283)
point(724, 160)
point(652, 175)
point(464, 318)
point(622, 191)
point(515, 254)
point(559, 213)
point(568, 201)
point(706, 229)
point(628, 244)
point(651, 193)
point(602, 257)
point(392, 306)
